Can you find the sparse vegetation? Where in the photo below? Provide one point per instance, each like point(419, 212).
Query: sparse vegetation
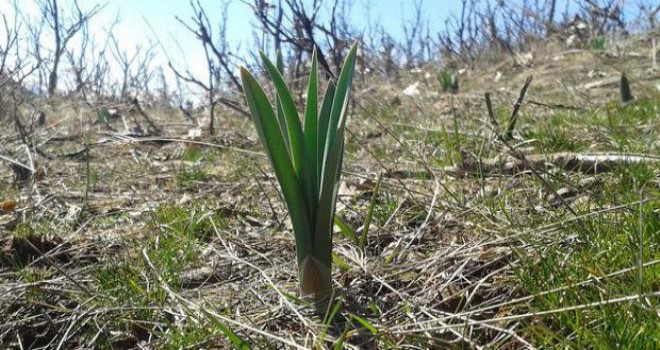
point(512, 213)
point(597, 43)
point(444, 78)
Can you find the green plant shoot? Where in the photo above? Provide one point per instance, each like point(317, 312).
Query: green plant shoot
point(624, 89)
point(307, 161)
point(444, 78)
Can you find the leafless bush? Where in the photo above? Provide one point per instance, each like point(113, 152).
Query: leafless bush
point(649, 13)
point(61, 52)
point(295, 27)
point(14, 66)
point(460, 36)
point(136, 69)
point(90, 65)
point(220, 66)
point(416, 42)
point(602, 16)
point(64, 25)
point(492, 26)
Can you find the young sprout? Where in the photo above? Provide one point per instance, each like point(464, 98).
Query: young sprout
point(624, 89)
point(307, 161)
point(448, 81)
point(444, 78)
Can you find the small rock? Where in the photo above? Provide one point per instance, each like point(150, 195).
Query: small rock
point(524, 59)
point(411, 90)
point(194, 134)
point(571, 40)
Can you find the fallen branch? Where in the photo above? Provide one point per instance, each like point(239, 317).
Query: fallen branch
point(555, 105)
point(588, 163)
point(154, 128)
point(516, 108)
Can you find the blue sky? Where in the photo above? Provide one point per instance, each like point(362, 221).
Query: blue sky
point(142, 21)
point(135, 14)
point(150, 20)
point(161, 13)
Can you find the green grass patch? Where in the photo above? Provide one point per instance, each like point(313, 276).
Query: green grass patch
point(597, 43)
point(633, 127)
point(557, 133)
point(385, 206)
point(190, 175)
point(175, 239)
point(586, 261)
point(192, 154)
point(134, 282)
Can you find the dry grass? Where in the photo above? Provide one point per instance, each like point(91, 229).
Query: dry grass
point(172, 242)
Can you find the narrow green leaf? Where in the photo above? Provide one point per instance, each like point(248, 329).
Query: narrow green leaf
point(311, 137)
point(365, 323)
point(331, 316)
point(280, 62)
point(282, 125)
point(340, 101)
point(370, 213)
point(346, 230)
point(287, 295)
point(280, 113)
point(323, 123)
point(327, 321)
point(325, 213)
point(292, 121)
point(236, 341)
point(341, 263)
point(388, 344)
point(294, 129)
point(268, 130)
point(339, 345)
point(332, 159)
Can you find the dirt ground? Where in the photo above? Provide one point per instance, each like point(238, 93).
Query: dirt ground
point(180, 239)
